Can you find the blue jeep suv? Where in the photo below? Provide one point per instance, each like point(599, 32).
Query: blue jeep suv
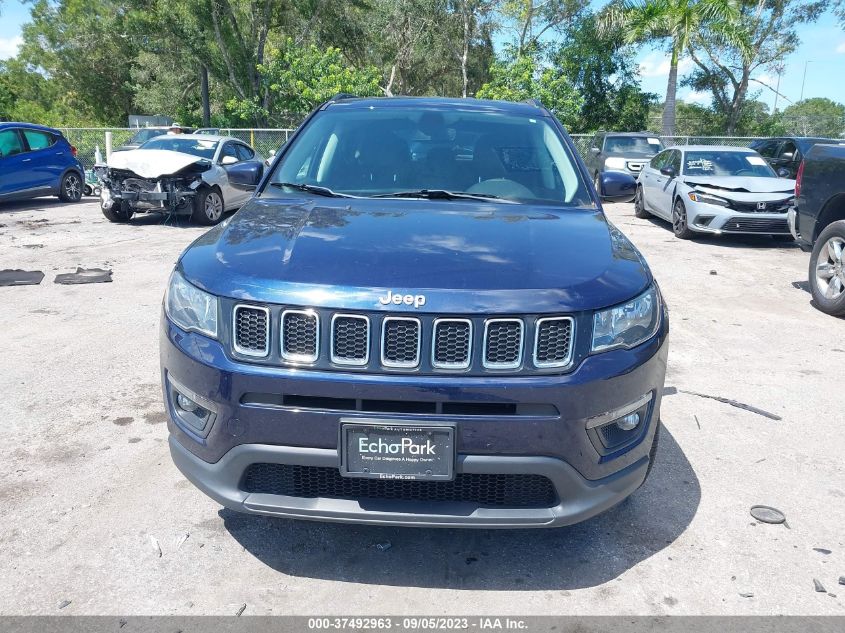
point(422, 317)
point(38, 161)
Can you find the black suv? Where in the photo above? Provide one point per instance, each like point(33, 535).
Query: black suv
point(785, 153)
point(621, 151)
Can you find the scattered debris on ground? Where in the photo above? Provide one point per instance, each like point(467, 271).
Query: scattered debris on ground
point(822, 550)
point(241, 610)
point(85, 276)
point(768, 514)
point(64, 603)
point(819, 586)
point(156, 546)
point(733, 403)
point(18, 277)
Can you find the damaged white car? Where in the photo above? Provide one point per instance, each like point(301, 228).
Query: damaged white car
point(182, 174)
point(714, 189)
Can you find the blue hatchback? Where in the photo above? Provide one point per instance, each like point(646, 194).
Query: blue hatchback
point(38, 161)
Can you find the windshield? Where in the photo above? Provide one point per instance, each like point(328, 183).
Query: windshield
point(176, 143)
point(648, 146)
point(383, 151)
point(724, 163)
point(142, 136)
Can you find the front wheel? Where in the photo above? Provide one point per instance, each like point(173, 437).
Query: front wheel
point(119, 212)
point(70, 189)
point(680, 227)
point(827, 274)
point(639, 204)
point(208, 207)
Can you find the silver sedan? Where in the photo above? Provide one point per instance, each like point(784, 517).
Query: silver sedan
point(714, 189)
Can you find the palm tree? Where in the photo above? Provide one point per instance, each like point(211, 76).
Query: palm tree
point(676, 21)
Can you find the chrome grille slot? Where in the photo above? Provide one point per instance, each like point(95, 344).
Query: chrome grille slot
point(553, 342)
point(400, 342)
point(251, 331)
point(503, 343)
point(451, 343)
point(350, 339)
point(300, 336)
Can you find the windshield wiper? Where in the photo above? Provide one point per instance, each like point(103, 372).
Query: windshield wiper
point(439, 194)
point(320, 191)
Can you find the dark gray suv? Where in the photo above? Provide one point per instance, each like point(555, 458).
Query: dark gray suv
point(621, 151)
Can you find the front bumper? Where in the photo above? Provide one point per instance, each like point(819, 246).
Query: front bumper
point(558, 447)
point(709, 218)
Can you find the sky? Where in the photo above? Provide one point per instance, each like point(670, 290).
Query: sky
point(821, 54)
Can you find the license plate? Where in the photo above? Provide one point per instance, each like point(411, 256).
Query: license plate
point(397, 451)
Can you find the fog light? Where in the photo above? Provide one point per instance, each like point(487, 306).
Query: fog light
point(185, 403)
point(629, 422)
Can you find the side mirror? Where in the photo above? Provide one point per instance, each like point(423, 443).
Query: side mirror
point(228, 160)
point(245, 175)
point(668, 171)
point(595, 150)
point(617, 186)
point(783, 172)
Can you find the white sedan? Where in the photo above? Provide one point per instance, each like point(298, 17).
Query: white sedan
point(179, 174)
point(714, 189)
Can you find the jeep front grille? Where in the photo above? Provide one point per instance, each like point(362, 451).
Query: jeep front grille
point(251, 331)
point(452, 343)
point(350, 339)
point(400, 343)
point(553, 342)
point(327, 339)
point(300, 342)
point(503, 343)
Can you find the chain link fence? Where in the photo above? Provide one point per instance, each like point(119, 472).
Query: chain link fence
point(268, 141)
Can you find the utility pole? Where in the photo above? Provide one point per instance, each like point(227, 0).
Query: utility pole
point(809, 61)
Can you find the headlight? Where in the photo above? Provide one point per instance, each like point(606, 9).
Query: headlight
point(697, 196)
point(614, 162)
point(629, 324)
point(189, 307)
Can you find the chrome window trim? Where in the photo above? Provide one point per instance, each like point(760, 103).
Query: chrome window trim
point(513, 365)
point(346, 361)
point(401, 364)
point(569, 353)
point(434, 362)
point(248, 352)
point(299, 358)
point(615, 414)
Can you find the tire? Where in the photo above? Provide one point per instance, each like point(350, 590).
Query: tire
point(679, 221)
point(70, 189)
point(208, 207)
point(120, 213)
point(827, 270)
point(639, 204)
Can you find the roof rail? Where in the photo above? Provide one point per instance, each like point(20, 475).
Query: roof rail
point(534, 102)
point(340, 96)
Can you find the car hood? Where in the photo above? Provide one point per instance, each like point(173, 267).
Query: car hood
point(735, 186)
point(464, 256)
point(154, 163)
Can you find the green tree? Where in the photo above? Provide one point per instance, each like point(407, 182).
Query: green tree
point(522, 77)
point(603, 71)
point(724, 67)
point(675, 22)
point(530, 20)
point(815, 117)
point(297, 78)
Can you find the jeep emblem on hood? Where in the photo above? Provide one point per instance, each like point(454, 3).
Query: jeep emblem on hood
point(399, 299)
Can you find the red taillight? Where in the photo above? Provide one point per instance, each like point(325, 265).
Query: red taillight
point(73, 150)
point(798, 178)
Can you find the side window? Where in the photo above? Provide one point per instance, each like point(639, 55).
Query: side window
point(10, 143)
point(244, 152)
point(229, 149)
point(658, 161)
point(788, 151)
point(768, 149)
point(38, 140)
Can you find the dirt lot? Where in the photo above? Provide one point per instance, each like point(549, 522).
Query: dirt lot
point(87, 484)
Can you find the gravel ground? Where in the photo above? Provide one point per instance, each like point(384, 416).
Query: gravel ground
point(97, 520)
